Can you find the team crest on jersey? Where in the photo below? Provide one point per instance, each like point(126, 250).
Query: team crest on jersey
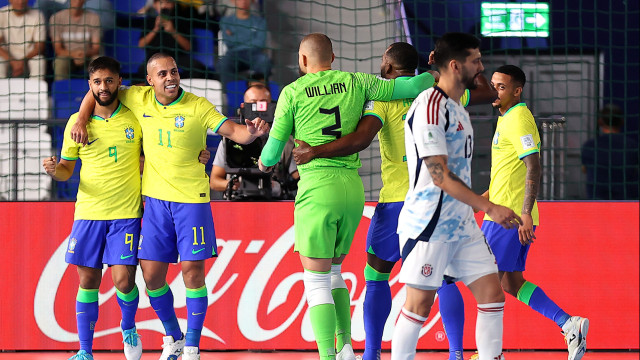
point(179, 121)
point(72, 244)
point(495, 138)
point(368, 105)
point(129, 133)
point(427, 269)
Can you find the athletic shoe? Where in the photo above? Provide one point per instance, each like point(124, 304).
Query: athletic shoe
point(132, 344)
point(346, 353)
point(191, 353)
point(82, 355)
point(171, 348)
point(575, 335)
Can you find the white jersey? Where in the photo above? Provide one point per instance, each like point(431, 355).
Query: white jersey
point(436, 125)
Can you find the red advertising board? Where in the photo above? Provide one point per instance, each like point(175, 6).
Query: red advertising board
point(585, 257)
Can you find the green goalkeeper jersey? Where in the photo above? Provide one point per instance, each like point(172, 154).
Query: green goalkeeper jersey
point(321, 107)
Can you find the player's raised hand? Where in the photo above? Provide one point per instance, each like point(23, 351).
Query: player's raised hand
point(504, 216)
point(257, 127)
point(49, 165)
point(79, 133)
point(525, 231)
point(303, 153)
point(204, 156)
point(263, 167)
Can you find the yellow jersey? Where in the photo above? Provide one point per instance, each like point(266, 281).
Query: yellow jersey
point(516, 136)
point(110, 173)
point(174, 136)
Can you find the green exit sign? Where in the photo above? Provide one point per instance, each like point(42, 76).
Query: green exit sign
point(515, 19)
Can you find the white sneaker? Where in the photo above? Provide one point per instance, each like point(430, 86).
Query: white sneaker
point(346, 353)
point(132, 344)
point(171, 348)
point(575, 335)
point(191, 353)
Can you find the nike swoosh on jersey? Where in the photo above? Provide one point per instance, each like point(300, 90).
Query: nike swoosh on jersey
point(196, 314)
point(194, 251)
point(92, 141)
point(122, 257)
point(145, 115)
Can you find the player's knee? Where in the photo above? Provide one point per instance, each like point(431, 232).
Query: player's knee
point(193, 274)
point(317, 287)
point(337, 282)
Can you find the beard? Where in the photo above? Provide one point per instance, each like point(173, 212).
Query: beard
point(107, 102)
point(470, 82)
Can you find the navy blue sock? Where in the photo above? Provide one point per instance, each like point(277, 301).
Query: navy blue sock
point(162, 303)
point(196, 309)
point(86, 317)
point(377, 306)
point(452, 311)
point(128, 307)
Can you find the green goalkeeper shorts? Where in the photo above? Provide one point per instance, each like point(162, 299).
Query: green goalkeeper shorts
point(327, 212)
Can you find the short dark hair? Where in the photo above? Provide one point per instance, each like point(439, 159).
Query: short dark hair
point(403, 55)
point(104, 63)
point(517, 75)
point(611, 115)
point(454, 46)
point(158, 55)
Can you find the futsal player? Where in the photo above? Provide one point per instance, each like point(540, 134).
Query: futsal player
point(387, 120)
point(106, 225)
point(436, 227)
point(515, 182)
point(177, 219)
point(319, 107)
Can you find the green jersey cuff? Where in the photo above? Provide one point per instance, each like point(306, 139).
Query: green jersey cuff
point(271, 152)
point(410, 87)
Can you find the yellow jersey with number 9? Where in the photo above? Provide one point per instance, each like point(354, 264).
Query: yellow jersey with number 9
point(110, 174)
point(174, 135)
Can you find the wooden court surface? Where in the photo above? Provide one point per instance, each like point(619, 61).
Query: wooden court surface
point(295, 355)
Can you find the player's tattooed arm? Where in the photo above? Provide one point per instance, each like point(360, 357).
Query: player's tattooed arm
point(532, 182)
point(450, 183)
point(436, 165)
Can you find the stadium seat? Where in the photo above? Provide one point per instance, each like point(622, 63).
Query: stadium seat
point(207, 88)
point(204, 47)
point(128, 6)
point(122, 44)
point(25, 140)
point(67, 96)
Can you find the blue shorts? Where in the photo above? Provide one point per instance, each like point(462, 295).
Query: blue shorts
point(172, 228)
point(510, 254)
point(382, 237)
point(96, 242)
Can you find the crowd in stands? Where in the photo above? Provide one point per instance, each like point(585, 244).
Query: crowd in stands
point(55, 40)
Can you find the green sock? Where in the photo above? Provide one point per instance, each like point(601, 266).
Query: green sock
point(323, 322)
point(342, 303)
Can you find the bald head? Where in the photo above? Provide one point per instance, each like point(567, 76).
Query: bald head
point(257, 93)
point(316, 51)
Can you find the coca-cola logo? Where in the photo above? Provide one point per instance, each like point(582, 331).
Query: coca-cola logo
point(270, 286)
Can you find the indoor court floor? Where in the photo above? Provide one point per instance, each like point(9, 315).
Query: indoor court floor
point(307, 355)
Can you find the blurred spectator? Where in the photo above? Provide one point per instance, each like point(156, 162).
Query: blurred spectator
point(104, 9)
point(22, 41)
point(245, 36)
point(75, 33)
point(610, 160)
point(285, 171)
point(168, 31)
